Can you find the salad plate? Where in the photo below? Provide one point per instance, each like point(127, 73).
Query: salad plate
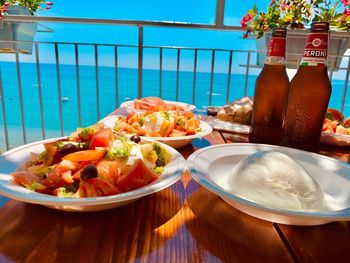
point(209, 165)
point(129, 106)
point(11, 160)
point(175, 142)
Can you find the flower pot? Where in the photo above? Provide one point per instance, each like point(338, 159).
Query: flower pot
point(17, 31)
point(296, 38)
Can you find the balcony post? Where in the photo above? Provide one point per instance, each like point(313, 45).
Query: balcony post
point(140, 62)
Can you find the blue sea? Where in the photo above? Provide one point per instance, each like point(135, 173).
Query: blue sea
point(109, 96)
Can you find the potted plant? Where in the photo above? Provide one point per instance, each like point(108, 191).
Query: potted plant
point(18, 31)
point(297, 15)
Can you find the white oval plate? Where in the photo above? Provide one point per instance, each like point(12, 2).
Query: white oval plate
point(175, 142)
point(335, 139)
point(11, 160)
point(326, 138)
point(129, 105)
point(209, 164)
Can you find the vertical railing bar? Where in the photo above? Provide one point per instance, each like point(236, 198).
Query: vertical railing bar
point(97, 83)
point(24, 134)
point(229, 78)
point(194, 76)
point(140, 62)
point(345, 86)
point(211, 77)
point(4, 114)
point(116, 76)
point(59, 87)
point(177, 74)
point(331, 69)
point(160, 72)
point(220, 10)
point(40, 91)
point(247, 74)
point(76, 51)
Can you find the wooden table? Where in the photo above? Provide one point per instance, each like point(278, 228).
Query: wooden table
point(183, 223)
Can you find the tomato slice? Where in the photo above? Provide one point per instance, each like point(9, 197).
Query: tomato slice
point(138, 175)
point(109, 170)
point(142, 105)
point(85, 156)
point(177, 133)
point(97, 187)
point(154, 101)
point(102, 138)
point(28, 180)
point(166, 128)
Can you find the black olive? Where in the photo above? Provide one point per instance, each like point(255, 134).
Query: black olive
point(135, 138)
point(89, 171)
point(67, 149)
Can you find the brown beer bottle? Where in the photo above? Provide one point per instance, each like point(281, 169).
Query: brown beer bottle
point(271, 93)
point(309, 94)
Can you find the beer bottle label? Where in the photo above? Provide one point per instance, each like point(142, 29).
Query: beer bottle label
point(276, 52)
point(315, 52)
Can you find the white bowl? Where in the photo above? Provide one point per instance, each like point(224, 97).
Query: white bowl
point(175, 142)
point(11, 160)
point(209, 164)
point(129, 106)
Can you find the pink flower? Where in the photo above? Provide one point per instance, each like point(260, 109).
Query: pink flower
point(245, 35)
point(48, 3)
point(245, 20)
point(345, 2)
point(346, 12)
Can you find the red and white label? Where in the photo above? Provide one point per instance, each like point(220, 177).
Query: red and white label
point(276, 52)
point(316, 50)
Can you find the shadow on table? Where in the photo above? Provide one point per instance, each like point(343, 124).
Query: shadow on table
point(33, 233)
point(229, 234)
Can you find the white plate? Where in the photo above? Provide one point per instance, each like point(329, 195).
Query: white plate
point(326, 138)
point(335, 139)
point(209, 164)
point(11, 160)
point(225, 125)
point(129, 105)
point(175, 142)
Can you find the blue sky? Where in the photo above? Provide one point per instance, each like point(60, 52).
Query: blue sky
point(196, 11)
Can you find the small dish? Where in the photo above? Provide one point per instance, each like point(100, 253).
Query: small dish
point(11, 160)
point(175, 142)
point(208, 165)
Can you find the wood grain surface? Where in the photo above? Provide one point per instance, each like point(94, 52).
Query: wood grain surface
point(183, 223)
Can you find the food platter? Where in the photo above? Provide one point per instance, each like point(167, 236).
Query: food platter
point(326, 138)
point(129, 106)
point(209, 164)
point(175, 142)
point(11, 160)
point(335, 139)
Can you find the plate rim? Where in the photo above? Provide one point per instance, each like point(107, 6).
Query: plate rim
point(337, 215)
point(28, 196)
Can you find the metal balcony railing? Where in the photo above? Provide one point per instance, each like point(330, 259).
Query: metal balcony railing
point(10, 136)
